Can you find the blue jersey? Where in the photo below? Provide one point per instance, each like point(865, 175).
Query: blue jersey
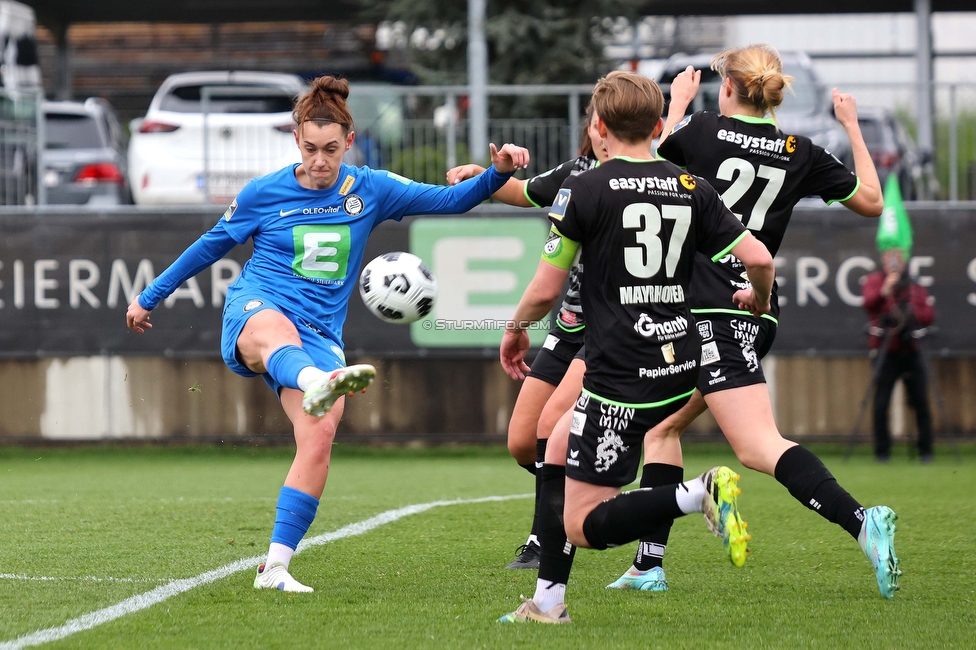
point(309, 244)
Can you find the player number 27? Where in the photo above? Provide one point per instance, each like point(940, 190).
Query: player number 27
point(644, 261)
point(743, 181)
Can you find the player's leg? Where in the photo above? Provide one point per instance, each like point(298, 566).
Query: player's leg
point(556, 554)
point(663, 465)
point(884, 384)
point(524, 447)
point(298, 499)
point(533, 418)
point(257, 338)
point(746, 418)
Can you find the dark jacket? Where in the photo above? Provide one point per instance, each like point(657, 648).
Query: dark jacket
point(908, 308)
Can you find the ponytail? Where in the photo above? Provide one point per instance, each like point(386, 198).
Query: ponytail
point(757, 75)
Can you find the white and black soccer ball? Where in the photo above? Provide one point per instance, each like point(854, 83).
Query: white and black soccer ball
point(398, 287)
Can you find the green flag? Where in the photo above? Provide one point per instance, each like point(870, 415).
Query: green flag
point(894, 228)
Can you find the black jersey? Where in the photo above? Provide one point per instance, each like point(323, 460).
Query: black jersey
point(761, 174)
point(541, 191)
point(639, 224)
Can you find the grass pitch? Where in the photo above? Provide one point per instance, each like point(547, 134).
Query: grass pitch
point(83, 530)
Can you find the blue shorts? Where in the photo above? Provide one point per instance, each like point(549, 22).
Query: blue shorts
point(246, 301)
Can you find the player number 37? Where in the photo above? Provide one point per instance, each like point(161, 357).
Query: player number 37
point(644, 261)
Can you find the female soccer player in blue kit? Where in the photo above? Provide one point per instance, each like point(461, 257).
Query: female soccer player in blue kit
point(283, 316)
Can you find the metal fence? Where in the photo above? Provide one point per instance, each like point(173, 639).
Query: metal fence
point(21, 132)
point(418, 131)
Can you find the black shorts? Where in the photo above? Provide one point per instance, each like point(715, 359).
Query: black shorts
point(732, 346)
point(606, 440)
point(556, 354)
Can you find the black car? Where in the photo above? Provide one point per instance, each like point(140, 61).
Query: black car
point(894, 152)
point(808, 110)
point(84, 160)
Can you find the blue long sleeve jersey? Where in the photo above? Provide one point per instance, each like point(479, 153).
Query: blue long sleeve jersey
point(309, 244)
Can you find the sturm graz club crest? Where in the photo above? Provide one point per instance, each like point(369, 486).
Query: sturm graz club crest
point(353, 205)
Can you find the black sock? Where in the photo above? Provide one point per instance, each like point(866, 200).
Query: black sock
point(650, 552)
point(630, 516)
point(556, 553)
point(540, 459)
point(812, 484)
point(528, 467)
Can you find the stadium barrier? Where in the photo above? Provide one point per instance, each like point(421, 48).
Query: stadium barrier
point(69, 369)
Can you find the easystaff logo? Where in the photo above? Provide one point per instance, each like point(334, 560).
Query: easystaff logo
point(668, 330)
point(791, 144)
point(644, 184)
point(688, 181)
point(651, 293)
point(776, 145)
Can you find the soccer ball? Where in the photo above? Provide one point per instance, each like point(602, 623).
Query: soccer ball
point(398, 287)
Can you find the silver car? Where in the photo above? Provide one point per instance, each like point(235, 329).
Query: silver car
point(84, 160)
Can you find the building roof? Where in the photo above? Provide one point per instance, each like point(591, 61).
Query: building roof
point(54, 13)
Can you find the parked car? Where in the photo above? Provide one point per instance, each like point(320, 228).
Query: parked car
point(248, 134)
point(894, 152)
point(808, 110)
point(84, 158)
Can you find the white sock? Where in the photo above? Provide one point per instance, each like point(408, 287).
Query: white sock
point(279, 553)
point(532, 540)
point(307, 375)
point(689, 495)
point(549, 594)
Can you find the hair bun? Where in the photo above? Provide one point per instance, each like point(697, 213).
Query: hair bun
point(332, 85)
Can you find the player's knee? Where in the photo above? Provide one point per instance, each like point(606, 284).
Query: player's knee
point(521, 442)
point(574, 532)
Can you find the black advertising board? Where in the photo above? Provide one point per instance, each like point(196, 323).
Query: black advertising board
point(66, 277)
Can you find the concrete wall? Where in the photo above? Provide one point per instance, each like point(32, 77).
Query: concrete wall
point(89, 398)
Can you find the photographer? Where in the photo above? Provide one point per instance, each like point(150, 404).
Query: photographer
point(898, 309)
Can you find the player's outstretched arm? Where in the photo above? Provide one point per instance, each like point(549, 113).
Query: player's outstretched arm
point(137, 317)
point(759, 267)
point(868, 201)
point(683, 91)
point(511, 193)
point(210, 247)
point(509, 158)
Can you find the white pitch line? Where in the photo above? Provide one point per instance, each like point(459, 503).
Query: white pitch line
point(165, 592)
point(15, 576)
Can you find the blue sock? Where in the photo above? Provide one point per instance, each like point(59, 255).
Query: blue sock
point(295, 512)
point(286, 362)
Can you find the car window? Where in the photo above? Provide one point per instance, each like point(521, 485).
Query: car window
point(871, 130)
point(188, 99)
point(71, 131)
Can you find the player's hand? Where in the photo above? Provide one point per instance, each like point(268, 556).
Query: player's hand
point(463, 173)
point(137, 318)
point(748, 300)
point(845, 108)
point(515, 343)
point(509, 158)
point(684, 88)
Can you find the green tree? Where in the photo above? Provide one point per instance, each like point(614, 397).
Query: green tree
point(542, 42)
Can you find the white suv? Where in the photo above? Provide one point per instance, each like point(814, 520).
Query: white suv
point(173, 160)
